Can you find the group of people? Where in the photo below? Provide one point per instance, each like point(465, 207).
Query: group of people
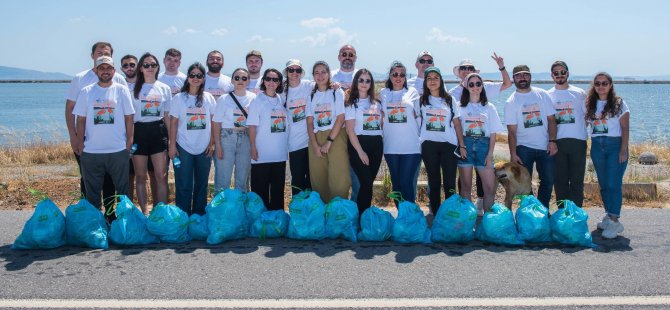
point(335, 130)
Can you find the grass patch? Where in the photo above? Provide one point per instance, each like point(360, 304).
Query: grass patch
point(36, 154)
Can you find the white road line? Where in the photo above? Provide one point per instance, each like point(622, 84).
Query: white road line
point(337, 303)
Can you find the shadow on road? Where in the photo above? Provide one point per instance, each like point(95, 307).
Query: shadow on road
point(618, 244)
point(20, 259)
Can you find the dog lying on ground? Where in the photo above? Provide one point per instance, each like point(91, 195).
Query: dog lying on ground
point(515, 179)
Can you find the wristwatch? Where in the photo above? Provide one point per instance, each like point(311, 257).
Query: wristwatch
point(329, 138)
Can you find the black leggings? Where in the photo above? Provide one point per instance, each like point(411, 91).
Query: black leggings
point(439, 159)
point(268, 180)
point(299, 165)
point(374, 148)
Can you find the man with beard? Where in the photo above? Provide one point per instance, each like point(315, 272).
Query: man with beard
point(254, 65)
point(569, 103)
point(216, 83)
point(105, 114)
point(531, 127)
point(423, 62)
point(345, 73)
point(129, 69)
point(172, 76)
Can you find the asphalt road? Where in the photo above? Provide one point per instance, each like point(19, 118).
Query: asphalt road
point(635, 264)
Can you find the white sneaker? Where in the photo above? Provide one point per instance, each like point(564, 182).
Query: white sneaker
point(603, 224)
point(480, 207)
point(612, 230)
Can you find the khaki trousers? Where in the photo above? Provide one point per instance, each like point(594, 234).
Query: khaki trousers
point(330, 175)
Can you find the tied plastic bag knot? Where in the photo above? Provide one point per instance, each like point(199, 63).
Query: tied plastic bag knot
point(455, 221)
point(498, 227)
point(569, 225)
point(86, 226)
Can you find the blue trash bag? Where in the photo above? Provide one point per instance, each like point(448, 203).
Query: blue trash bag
point(271, 224)
point(307, 217)
point(532, 220)
point(197, 227)
point(130, 225)
point(376, 225)
point(254, 207)
point(498, 227)
point(227, 217)
point(86, 226)
point(341, 219)
point(569, 226)
point(455, 221)
point(44, 230)
point(411, 225)
point(169, 223)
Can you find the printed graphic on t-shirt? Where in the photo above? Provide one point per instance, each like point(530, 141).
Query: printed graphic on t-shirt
point(436, 120)
point(278, 119)
point(372, 121)
point(531, 115)
point(215, 91)
point(600, 126)
point(175, 90)
point(396, 112)
point(297, 109)
point(565, 113)
point(324, 115)
point(238, 118)
point(474, 125)
point(150, 105)
point(103, 111)
point(196, 118)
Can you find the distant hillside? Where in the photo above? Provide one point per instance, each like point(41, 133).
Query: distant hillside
point(9, 73)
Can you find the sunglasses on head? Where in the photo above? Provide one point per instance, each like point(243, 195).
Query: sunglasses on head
point(350, 54)
point(560, 73)
point(196, 76)
point(130, 64)
point(603, 84)
point(271, 79)
point(294, 70)
point(147, 65)
point(396, 74)
point(364, 81)
point(466, 68)
point(473, 84)
point(426, 61)
point(243, 78)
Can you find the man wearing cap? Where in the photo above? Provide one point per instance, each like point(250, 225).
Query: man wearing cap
point(570, 106)
point(105, 114)
point(531, 127)
point(172, 76)
point(254, 65)
point(423, 61)
point(344, 75)
point(216, 83)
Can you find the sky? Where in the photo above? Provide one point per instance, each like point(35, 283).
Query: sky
point(624, 38)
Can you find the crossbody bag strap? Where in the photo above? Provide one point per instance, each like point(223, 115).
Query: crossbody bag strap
point(239, 105)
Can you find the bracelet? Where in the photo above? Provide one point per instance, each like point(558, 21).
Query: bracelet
point(463, 147)
point(552, 140)
point(502, 69)
point(329, 138)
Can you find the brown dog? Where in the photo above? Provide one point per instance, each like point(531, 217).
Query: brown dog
point(515, 179)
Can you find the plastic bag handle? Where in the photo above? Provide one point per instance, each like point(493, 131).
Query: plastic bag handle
point(396, 195)
point(38, 194)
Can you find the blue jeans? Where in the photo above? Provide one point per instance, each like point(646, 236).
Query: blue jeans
point(191, 181)
point(545, 169)
point(236, 150)
point(605, 157)
point(403, 169)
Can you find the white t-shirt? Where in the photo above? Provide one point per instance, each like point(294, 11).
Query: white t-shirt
point(218, 86)
point(610, 126)
point(85, 78)
point(368, 117)
point(492, 90)
point(296, 103)
point(254, 86)
point(436, 126)
point(229, 114)
point(193, 131)
point(270, 118)
point(325, 107)
point(529, 112)
point(175, 82)
point(344, 78)
point(570, 106)
point(154, 102)
point(131, 87)
point(417, 83)
point(401, 121)
point(105, 110)
point(480, 121)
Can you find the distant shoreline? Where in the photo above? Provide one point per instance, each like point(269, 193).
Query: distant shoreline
point(446, 81)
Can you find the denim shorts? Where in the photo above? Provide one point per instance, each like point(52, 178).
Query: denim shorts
point(477, 149)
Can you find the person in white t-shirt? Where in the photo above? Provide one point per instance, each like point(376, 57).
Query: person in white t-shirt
point(268, 137)
point(480, 124)
point(151, 100)
point(328, 156)
point(129, 69)
point(344, 74)
point(254, 61)
point(531, 127)
point(190, 144)
point(364, 122)
point(609, 119)
point(402, 119)
point(441, 137)
point(569, 104)
point(231, 138)
point(295, 96)
point(104, 113)
point(216, 83)
point(423, 62)
point(172, 77)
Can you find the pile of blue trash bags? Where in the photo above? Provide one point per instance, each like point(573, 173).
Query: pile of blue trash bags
point(233, 214)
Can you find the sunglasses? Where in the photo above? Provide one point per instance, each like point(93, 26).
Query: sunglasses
point(603, 84)
point(426, 61)
point(196, 76)
point(396, 74)
point(147, 65)
point(466, 68)
point(126, 65)
point(350, 54)
point(243, 78)
point(560, 73)
point(296, 70)
point(364, 81)
point(473, 84)
point(271, 79)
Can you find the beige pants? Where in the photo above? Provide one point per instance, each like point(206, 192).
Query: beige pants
point(330, 174)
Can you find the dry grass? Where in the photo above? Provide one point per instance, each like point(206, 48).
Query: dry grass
point(36, 154)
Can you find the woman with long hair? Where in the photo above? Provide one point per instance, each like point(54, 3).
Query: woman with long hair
point(328, 157)
point(152, 102)
point(191, 144)
point(364, 128)
point(608, 115)
point(480, 124)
